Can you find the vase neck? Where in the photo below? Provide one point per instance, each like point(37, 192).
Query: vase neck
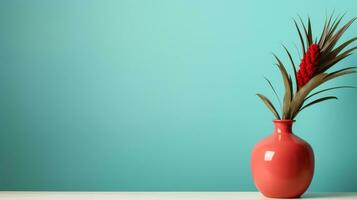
point(283, 126)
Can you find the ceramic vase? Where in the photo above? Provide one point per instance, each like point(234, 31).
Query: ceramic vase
point(282, 164)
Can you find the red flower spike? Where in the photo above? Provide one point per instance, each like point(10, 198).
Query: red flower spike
point(308, 65)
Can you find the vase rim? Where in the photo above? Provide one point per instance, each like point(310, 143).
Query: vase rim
point(283, 120)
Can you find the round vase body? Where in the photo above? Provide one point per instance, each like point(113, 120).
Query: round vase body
point(282, 164)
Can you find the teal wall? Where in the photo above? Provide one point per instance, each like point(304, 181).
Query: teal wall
point(156, 95)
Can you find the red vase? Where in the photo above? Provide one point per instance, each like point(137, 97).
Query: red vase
point(282, 164)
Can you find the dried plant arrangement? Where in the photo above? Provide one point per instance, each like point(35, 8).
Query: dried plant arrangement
point(319, 56)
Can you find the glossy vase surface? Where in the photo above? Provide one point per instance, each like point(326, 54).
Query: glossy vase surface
point(282, 164)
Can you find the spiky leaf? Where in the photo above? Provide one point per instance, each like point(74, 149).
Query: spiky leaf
point(270, 106)
point(288, 89)
point(327, 89)
point(317, 101)
point(276, 94)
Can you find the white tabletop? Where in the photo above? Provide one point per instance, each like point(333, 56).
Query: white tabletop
point(159, 196)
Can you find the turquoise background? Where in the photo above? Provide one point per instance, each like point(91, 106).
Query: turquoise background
point(156, 95)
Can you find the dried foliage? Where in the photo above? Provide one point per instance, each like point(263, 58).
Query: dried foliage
point(318, 57)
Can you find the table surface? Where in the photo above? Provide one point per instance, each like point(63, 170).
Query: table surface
point(159, 196)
